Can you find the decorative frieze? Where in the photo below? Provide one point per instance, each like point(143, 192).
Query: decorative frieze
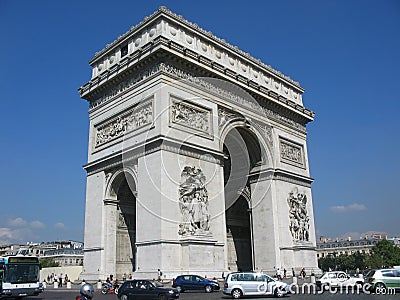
point(190, 116)
point(193, 202)
point(125, 122)
point(123, 86)
point(201, 83)
point(299, 220)
point(291, 153)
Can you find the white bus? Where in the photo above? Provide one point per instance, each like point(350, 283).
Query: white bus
point(19, 276)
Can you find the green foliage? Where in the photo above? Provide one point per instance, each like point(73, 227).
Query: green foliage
point(384, 254)
point(48, 263)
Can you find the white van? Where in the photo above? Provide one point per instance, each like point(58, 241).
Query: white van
point(240, 284)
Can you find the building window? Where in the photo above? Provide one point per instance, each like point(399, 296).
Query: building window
point(124, 50)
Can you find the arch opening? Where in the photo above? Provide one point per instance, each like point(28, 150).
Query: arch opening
point(243, 154)
point(123, 190)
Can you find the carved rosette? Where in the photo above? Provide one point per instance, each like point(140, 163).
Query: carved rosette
point(124, 123)
point(193, 203)
point(299, 220)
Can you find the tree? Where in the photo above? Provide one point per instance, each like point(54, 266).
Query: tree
point(384, 254)
point(48, 263)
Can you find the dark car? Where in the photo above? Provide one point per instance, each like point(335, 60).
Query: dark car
point(194, 282)
point(145, 289)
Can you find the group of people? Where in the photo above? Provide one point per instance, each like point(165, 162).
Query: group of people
point(282, 274)
point(57, 278)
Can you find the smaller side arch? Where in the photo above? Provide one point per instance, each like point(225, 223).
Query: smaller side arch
point(115, 180)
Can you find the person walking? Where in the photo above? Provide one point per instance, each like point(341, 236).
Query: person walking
point(159, 274)
point(60, 280)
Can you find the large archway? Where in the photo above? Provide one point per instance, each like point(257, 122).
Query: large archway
point(123, 189)
point(242, 155)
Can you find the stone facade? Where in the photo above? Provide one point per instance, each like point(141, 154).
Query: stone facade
point(197, 158)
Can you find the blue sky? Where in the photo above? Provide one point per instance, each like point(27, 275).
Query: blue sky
point(344, 53)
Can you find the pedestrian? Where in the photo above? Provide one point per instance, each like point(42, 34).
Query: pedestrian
point(278, 274)
point(130, 277)
point(293, 273)
point(124, 277)
point(303, 273)
point(66, 278)
point(284, 273)
point(60, 280)
point(159, 274)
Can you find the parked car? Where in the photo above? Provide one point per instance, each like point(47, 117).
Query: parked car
point(338, 279)
point(194, 282)
point(241, 284)
point(383, 279)
point(145, 289)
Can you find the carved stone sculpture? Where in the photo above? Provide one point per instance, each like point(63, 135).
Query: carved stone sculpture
point(189, 116)
point(193, 202)
point(299, 220)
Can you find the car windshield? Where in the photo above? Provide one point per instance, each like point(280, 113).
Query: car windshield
point(370, 273)
point(21, 273)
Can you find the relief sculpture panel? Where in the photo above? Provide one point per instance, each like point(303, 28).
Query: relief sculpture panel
point(189, 116)
point(291, 153)
point(193, 202)
point(299, 220)
point(128, 121)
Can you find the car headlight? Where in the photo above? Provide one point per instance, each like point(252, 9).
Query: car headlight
point(171, 291)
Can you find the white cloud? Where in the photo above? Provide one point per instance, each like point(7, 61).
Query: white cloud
point(348, 208)
point(17, 222)
point(37, 225)
point(5, 233)
point(59, 226)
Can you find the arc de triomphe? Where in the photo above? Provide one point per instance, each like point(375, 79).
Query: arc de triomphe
point(197, 158)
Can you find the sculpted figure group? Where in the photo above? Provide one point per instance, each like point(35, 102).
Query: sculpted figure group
point(299, 219)
point(193, 202)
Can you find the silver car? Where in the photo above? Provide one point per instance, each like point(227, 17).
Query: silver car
point(251, 283)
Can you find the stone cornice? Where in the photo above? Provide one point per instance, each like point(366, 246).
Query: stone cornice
point(178, 18)
point(166, 28)
point(171, 70)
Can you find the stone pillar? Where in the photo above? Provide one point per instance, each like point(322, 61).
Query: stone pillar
point(265, 232)
point(110, 227)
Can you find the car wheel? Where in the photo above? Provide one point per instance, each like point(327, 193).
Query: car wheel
point(236, 294)
point(380, 288)
point(208, 288)
point(123, 297)
point(179, 289)
point(278, 293)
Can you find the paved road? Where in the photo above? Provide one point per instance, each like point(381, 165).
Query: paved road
point(70, 294)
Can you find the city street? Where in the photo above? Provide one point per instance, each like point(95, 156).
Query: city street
point(71, 294)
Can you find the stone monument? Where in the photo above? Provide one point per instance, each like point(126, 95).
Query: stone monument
point(197, 158)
